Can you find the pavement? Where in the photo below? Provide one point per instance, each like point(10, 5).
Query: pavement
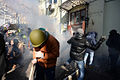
point(91, 73)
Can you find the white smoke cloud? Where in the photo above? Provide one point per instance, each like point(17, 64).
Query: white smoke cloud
point(29, 9)
point(22, 6)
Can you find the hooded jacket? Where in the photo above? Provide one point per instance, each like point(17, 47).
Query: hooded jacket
point(50, 51)
point(91, 38)
point(114, 41)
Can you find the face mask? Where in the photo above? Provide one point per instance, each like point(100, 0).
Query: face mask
point(39, 54)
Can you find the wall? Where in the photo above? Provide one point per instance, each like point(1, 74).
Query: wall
point(103, 16)
point(112, 16)
point(111, 20)
point(96, 16)
point(42, 9)
point(95, 13)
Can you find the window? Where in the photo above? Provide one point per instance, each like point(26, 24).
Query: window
point(55, 1)
point(76, 18)
point(82, 15)
point(72, 18)
point(51, 1)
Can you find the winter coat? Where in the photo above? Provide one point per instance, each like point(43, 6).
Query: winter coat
point(51, 52)
point(79, 46)
point(2, 55)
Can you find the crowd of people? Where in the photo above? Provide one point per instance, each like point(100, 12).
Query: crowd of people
point(12, 46)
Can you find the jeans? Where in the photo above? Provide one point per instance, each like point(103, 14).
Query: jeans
point(91, 57)
point(81, 69)
point(44, 73)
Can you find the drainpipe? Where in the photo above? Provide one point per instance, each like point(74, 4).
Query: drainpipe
point(86, 18)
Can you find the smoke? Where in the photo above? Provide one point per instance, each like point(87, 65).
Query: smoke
point(22, 6)
point(30, 10)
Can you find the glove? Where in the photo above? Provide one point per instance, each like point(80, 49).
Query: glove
point(39, 54)
point(102, 39)
point(34, 61)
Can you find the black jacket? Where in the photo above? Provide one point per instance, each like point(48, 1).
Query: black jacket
point(114, 41)
point(2, 44)
point(2, 55)
point(79, 46)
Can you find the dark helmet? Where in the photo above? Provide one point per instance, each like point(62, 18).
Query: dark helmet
point(112, 32)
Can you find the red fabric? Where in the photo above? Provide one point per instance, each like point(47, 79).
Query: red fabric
point(69, 27)
point(83, 26)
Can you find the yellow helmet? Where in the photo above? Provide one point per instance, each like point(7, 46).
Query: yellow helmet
point(24, 36)
point(37, 37)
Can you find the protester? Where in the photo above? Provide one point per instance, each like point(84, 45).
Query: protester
point(45, 53)
point(14, 54)
point(2, 56)
point(113, 44)
point(91, 38)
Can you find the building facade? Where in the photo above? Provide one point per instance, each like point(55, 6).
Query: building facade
point(102, 16)
point(8, 15)
point(51, 8)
